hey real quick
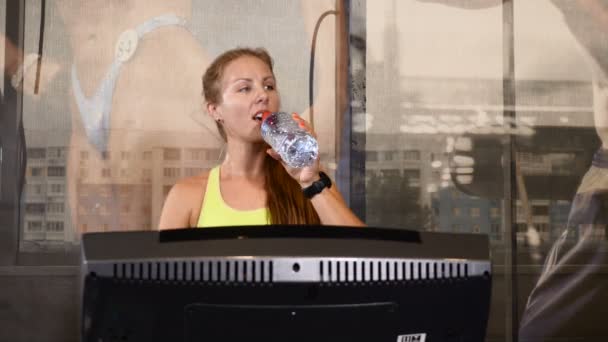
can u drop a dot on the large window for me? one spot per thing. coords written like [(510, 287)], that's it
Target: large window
[(504, 123), (494, 124), (77, 178), (158, 130)]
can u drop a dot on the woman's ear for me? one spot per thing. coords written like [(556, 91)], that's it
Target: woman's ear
[(213, 112)]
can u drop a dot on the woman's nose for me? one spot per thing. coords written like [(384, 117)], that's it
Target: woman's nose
[(262, 96)]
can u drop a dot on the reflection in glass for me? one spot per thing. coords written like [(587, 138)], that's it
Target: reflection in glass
[(119, 104)]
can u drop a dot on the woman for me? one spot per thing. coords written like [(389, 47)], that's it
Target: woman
[(252, 186)]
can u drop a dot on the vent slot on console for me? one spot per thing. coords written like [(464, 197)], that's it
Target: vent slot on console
[(390, 270), (222, 271)]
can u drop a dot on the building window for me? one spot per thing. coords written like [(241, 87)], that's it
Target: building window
[(540, 210), (171, 154), (476, 228), (57, 188), (37, 171), (475, 212), (124, 173), (494, 212), (35, 189), (56, 152), (196, 154), (390, 175), (171, 172), (193, 171), (55, 207), (35, 208), (54, 226), (105, 155), (36, 153), (125, 155), (84, 155), (391, 155), (530, 158), (411, 155), (495, 228), (34, 226), (456, 211), (106, 173), (456, 228), (371, 156), (39, 189), (56, 171), (146, 155)]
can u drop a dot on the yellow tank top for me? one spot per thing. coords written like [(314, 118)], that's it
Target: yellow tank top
[(216, 213)]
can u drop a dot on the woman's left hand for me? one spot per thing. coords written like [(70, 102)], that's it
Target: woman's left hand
[(306, 175)]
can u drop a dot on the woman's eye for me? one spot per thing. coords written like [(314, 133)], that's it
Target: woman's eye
[(269, 87), (244, 89)]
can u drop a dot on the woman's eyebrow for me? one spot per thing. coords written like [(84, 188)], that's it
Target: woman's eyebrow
[(247, 79), (242, 79)]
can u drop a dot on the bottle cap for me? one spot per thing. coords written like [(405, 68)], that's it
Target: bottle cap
[(266, 114)]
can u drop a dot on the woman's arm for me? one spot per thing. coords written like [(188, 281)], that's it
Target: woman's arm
[(332, 208), (181, 206), (329, 204)]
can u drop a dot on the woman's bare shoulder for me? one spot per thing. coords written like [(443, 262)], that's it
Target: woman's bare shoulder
[(182, 205), (191, 186)]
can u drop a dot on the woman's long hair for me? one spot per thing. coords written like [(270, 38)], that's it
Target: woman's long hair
[(285, 201)]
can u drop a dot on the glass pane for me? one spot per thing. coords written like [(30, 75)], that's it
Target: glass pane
[(118, 115), (434, 124), (562, 172)]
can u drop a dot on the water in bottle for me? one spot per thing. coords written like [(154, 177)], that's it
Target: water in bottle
[(294, 144)]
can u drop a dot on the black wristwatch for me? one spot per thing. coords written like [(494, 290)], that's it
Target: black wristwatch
[(317, 186)]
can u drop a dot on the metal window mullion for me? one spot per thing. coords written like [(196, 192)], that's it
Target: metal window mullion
[(10, 191), (350, 88), (509, 101)]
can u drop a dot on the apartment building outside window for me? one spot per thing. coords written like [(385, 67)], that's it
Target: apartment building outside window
[(56, 171), (54, 226), (36, 153), (171, 154), (172, 172)]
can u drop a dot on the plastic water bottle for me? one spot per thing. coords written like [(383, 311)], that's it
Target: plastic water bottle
[(294, 144)]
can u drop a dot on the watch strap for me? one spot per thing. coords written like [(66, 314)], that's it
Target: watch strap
[(318, 186)]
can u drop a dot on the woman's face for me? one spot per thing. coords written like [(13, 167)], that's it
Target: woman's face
[(248, 88)]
